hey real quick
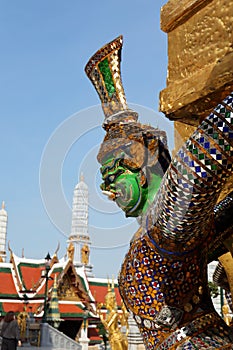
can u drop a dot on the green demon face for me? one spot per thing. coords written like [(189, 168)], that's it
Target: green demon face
[(127, 186), (122, 184)]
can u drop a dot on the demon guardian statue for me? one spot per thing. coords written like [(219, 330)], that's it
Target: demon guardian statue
[(163, 279)]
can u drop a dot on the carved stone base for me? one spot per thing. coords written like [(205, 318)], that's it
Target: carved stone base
[(84, 340)]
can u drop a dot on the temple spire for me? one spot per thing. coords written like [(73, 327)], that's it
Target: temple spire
[(3, 232), (79, 239)]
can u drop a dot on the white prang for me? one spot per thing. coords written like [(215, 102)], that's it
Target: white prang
[(79, 235), (3, 232)]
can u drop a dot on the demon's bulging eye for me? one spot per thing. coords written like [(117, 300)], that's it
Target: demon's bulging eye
[(111, 178), (108, 180)]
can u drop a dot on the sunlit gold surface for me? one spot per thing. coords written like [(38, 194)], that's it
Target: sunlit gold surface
[(118, 340), (227, 262), (182, 132), (200, 71), (22, 321), (70, 251), (174, 12), (226, 313), (200, 57), (85, 252)]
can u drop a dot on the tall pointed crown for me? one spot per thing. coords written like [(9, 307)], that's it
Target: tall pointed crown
[(103, 69), (142, 145)]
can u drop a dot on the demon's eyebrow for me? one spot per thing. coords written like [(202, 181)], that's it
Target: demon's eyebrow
[(111, 166)]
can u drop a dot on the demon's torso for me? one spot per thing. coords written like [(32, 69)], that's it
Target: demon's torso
[(167, 295), (163, 280)]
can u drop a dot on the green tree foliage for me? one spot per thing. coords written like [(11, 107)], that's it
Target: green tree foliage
[(102, 333), (214, 291)]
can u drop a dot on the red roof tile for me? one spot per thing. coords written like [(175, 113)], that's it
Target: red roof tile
[(18, 307), (30, 275), (7, 286), (70, 310), (99, 292)]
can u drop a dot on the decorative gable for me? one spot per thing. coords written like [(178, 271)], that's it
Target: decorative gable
[(72, 287), (30, 275)]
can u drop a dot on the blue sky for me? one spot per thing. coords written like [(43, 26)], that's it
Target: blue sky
[(44, 48)]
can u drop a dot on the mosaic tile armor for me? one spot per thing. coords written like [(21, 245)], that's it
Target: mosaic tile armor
[(163, 279)]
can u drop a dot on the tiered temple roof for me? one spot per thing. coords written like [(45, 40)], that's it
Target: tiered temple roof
[(22, 285)]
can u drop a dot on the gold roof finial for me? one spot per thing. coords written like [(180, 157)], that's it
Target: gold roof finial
[(3, 205), (109, 285), (55, 281), (56, 251), (82, 177), (113, 284)]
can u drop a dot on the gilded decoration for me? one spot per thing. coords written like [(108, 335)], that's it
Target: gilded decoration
[(70, 286), (85, 252), (70, 251), (200, 57), (22, 318), (116, 335)]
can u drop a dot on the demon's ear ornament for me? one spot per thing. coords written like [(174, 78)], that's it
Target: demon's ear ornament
[(124, 134)]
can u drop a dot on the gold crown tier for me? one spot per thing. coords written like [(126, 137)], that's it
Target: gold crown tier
[(103, 69)]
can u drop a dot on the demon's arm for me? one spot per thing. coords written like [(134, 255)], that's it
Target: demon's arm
[(182, 213)]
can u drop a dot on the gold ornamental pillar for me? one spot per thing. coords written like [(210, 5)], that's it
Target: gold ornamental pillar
[(200, 70), (200, 56)]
